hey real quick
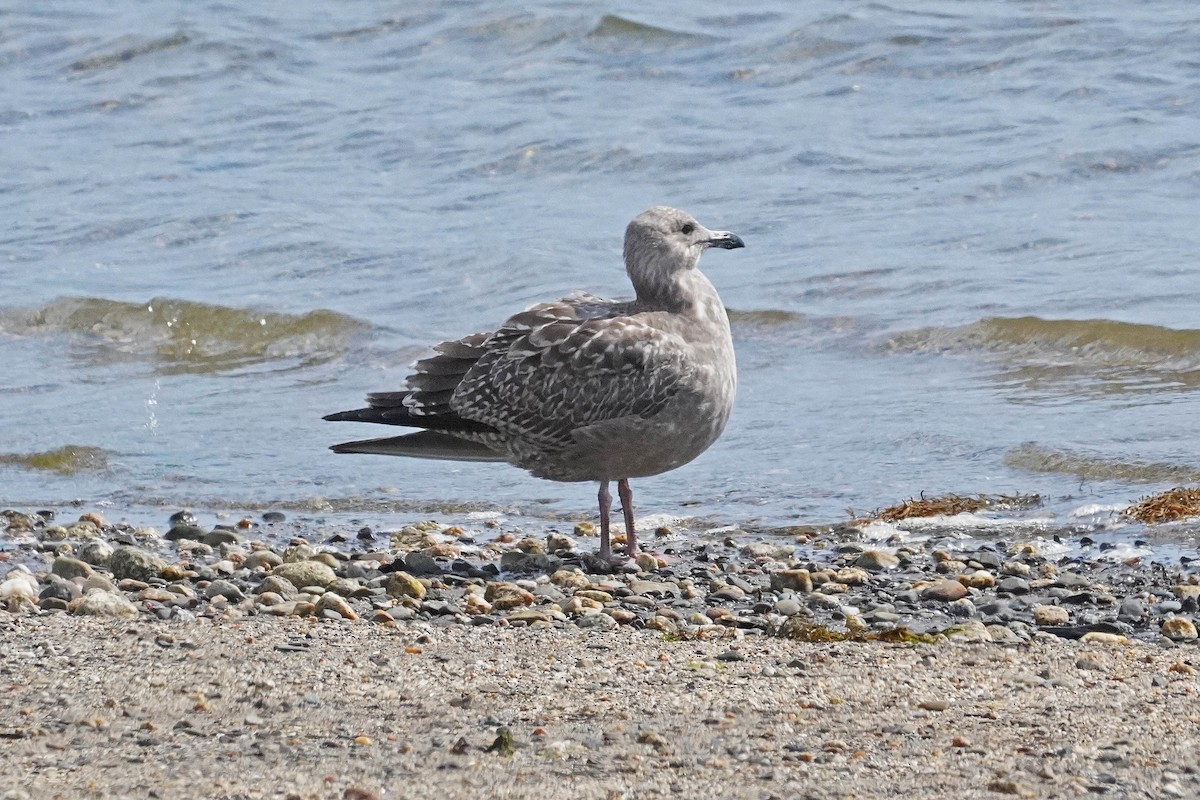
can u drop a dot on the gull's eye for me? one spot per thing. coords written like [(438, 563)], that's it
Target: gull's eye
[(687, 228)]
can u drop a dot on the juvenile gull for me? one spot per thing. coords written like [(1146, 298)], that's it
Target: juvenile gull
[(583, 389)]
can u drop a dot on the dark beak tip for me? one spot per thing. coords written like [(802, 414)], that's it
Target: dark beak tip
[(729, 241)]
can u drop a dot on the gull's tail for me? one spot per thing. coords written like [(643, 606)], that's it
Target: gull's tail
[(422, 444)]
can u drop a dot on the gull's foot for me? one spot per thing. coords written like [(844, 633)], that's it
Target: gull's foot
[(607, 563)]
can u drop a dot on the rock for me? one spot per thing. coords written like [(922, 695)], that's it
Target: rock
[(133, 562), (418, 563), (558, 543), (517, 561), (581, 605), (334, 603), (178, 532), (503, 595), (223, 588), (1051, 615), (1131, 610), (944, 590), (298, 551), (570, 579), (262, 559), (963, 607), (68, 568), (797, 580), (528, 616), (979, 579), (876, 560), (103, 604), (402, 584), (1179, 629), (1102, 637), (788, 607), (531, 545), (1002, 634), (852, 576), (18, 589), (219, 536), (60, 588), (659, 589), (305, 573), (1186, 590), (601, 621), (622, 615), (96, 552), (973, 631), (182, 517), (728, 592), (1013, 585), (647, 562)]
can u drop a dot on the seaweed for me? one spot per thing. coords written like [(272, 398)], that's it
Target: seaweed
[(948, 505), (1169, 506)]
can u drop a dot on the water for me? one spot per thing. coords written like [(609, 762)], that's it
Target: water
[(971, 235)]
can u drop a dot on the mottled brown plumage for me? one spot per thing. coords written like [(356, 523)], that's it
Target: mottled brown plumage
[(583, 388)]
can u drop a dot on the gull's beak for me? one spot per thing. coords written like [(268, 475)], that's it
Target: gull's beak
[(724, 240)]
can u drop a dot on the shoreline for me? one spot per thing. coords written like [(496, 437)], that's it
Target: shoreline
[(209, 662)]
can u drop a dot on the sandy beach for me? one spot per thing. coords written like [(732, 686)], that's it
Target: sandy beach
[(285, 708)]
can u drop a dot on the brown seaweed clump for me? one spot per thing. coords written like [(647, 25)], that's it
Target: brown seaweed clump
[(948, 505), (1169, 506)]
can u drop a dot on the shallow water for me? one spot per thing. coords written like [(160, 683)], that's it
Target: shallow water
[(970, 265)]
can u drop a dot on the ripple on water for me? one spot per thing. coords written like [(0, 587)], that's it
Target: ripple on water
[(180, 336)]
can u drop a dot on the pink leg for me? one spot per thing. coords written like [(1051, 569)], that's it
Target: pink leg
[(605, 505), (626, 495)]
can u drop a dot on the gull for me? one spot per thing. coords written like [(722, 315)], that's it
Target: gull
[(583, 388)]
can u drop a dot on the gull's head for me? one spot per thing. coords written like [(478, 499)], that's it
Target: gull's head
[(662, 241)]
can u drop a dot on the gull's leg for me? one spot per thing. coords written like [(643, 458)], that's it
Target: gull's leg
[(626, 495), (605, 505)]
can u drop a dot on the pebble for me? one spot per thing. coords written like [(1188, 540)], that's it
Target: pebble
[(1179, 629), (128, 561), (96, 552), (1013, 585), (305, 573), (103, 604), (944, 590), (503, 595), (796, 580), (654, 588), (1051, 615), (68, 568), (875, 560), (335, 604), (418, 563), (447, 577), (223, 588)]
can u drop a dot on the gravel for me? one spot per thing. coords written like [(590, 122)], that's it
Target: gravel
[(290, 661)]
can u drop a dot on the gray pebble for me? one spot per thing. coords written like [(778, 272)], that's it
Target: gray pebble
[(1013, 585), (419, 563), (133, 562), (788, 607), (68, 568), (223, 588)]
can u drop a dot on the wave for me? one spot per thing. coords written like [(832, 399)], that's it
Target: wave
[(180, 336), (66, 460), (1034, 457), (1091, 355)]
